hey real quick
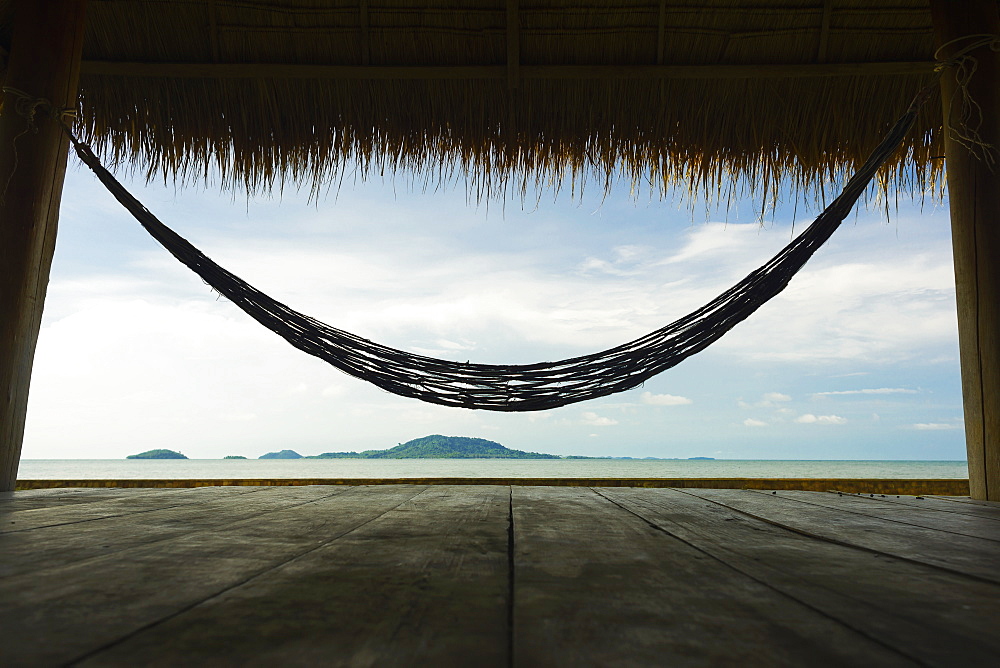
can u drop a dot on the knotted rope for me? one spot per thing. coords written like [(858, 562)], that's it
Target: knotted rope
[(29, 107), (963, 126)]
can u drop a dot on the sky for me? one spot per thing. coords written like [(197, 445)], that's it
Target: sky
[(856, 359)]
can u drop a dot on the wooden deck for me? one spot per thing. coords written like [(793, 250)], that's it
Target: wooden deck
[(453, 575)]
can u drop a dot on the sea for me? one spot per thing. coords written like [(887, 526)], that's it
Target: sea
[(89, 469)]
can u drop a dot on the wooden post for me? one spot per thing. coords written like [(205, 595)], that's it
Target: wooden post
[(974, 197), (44, 61)]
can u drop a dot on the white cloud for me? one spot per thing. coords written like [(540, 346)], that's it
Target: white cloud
[(877, 390), (625, 261), (768, 400), (595, 420), (238, 417), (809, 418), (935, 426), (663, 399), (750, 422), (882, 302), (713, 242)]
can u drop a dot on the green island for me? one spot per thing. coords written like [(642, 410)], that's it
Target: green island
[(436, 446), (283, 454), (157, 454), (441, 447)]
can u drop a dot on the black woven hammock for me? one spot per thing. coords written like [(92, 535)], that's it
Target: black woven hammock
[(522, 387)]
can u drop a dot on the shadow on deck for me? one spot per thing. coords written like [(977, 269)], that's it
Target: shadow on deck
[(494, 575)]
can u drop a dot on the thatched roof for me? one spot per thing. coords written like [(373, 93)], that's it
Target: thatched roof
[(507, 93)]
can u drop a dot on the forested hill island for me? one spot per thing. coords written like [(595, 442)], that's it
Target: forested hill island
[(432, 447), (428, 447)]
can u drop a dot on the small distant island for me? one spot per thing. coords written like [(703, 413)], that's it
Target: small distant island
[(284, 454), (441, 447), (234, 457), (157, 454)]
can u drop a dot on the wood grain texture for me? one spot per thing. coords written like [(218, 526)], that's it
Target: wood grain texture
[(974, 200), (950, 622), (98, 537), (55, 616), (49, 498), (499, 72), (866, 485), (949, 505), (959, 554), (460, 575), (15, 520), (594, 585), (969, 501), (44, 62), (423, 584), (910, 515)]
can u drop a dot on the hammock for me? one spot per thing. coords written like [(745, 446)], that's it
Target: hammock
[(527, 387)]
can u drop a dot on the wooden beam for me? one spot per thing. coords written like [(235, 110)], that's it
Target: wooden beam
[(917, 486), (974, 198), (661, 30), (46, 43), (363, 33), (824, 31), (213, 29), (513, 45), (295, 71)]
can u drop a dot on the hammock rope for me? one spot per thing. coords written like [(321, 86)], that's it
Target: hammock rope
[(527, 387)]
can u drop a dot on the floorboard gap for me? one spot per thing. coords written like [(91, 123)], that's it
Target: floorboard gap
[(862, 513), (843, 543), (108, 645), (111, 517), (510, 581), (764, 583)]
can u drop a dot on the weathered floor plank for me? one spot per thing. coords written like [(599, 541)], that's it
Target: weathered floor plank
[(932, 616), (941, 504), (425, 583), (595, 585), (928, 518), (967, 500), (67, 543), (46, 498), (55, 616), (973, 557), (495, 576), (119, 505)]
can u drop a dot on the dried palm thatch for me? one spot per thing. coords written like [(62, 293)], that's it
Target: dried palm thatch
[(506, 96)]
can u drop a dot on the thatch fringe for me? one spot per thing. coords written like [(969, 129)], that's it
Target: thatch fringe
[(258, 134), (508, 136)]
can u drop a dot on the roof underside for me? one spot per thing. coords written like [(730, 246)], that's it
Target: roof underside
[(505, 95)]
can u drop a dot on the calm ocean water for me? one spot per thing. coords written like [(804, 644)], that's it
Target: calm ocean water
[(481, 468)]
